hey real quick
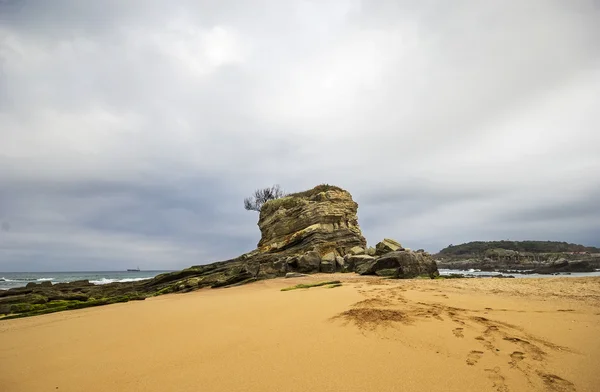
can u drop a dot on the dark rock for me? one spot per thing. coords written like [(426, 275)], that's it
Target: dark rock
[(292, 262), (59, 296), (309, 262), (564, 266), (327, 267), (340, 263), (387, 245), (234, 277), (24, 298), (406, 264), (387, 272), (355, 263)]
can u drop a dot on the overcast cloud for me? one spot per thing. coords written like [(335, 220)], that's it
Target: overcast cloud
[(131, 131)]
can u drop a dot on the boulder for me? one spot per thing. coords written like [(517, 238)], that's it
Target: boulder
[(386, 246), (400, 264), (329, 257), (389, 272), (327, 267), (355, 263), (356, 250), (309, 262), (339, 260), (371, 251)]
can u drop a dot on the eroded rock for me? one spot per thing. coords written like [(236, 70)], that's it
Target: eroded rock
[(387, 245), (309, 262), (322, 219), (356, 263), (400, 264)]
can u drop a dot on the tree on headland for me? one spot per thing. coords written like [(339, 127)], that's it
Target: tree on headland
[(261, 196)]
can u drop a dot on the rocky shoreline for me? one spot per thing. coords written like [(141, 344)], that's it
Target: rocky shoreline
[(557, 265), (307, 232), (315, 231)]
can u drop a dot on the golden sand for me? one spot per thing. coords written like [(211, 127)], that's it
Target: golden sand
[(367, 335)]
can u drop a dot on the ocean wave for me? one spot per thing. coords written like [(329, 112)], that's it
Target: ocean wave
[(107, 281), (3, 279), (44, 280)]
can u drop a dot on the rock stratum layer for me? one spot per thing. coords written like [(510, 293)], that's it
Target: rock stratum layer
[(307, 232), (322, 219)]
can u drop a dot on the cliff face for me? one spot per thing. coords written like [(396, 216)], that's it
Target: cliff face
[(322, 219)]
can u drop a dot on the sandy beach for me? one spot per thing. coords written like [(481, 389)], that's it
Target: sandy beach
[(367, 335)]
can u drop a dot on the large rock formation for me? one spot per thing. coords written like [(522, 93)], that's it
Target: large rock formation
[(307, 232), (322, 219)]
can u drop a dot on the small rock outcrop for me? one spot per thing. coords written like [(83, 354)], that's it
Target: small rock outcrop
[(400, 264), (387, 245)]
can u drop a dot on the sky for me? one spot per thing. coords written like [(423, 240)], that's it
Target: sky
[(131, 131)]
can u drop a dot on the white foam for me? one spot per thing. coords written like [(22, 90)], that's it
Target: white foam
[(107, 281), (132, 280), (45, 279), (3, 279)]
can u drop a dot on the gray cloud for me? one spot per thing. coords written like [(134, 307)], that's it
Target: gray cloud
[(133, 130)]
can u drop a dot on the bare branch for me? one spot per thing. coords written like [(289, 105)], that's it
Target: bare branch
[(261, 196)]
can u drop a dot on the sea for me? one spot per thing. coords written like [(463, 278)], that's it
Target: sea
[(8, 280)]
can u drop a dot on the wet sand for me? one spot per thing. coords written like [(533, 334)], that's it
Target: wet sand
[(367, 335)]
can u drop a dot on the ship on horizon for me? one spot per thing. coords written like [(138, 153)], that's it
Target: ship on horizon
[(133, 269)]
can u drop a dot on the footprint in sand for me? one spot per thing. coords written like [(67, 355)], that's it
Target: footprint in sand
[(474, 357), (556, 383), (516, 357), (458, 332), (486, 343), (491, 329), (534, 351), (497, 379)]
